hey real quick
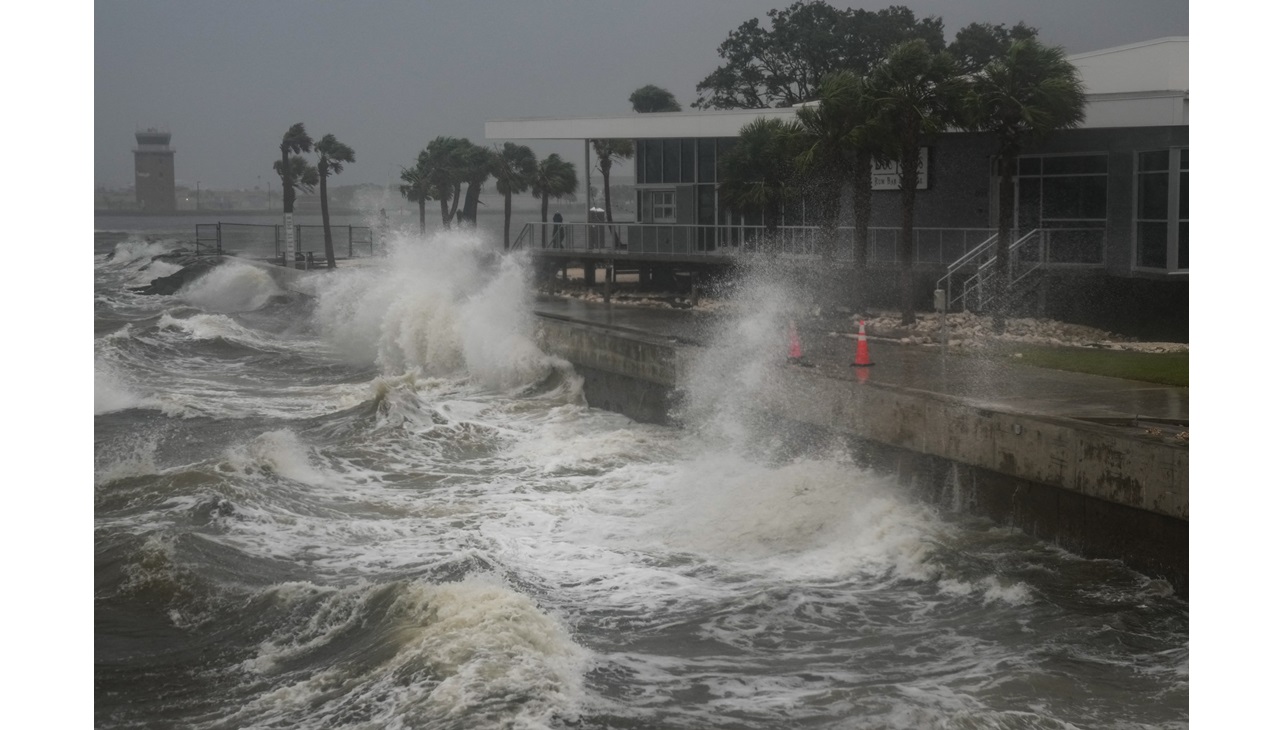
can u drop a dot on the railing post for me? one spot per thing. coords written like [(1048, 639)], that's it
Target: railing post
[(350, 244), (219, 238)]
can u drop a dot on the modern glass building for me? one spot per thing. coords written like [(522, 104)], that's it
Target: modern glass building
[(1106, 201)]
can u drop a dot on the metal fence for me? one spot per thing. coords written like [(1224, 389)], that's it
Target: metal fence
[(938, 246), (252, 240)]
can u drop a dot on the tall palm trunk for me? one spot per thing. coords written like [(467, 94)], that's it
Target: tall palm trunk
[(861, 225), (506, 221), (422, 216), (287, 186), (546, 203), (1004, 237), (324, 217), (605, 166), (910, 160)]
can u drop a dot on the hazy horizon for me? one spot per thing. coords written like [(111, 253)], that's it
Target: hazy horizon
[(227, 79)]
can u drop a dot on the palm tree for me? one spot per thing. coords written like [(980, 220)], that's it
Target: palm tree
[(916, 93), (514, 167), (418, 187), (333, 154), (295, 141), (844, 144), (609, 151), (301, 175), (476, 164), (1021, 96), (759, 173), (446, 169), (555, 178)]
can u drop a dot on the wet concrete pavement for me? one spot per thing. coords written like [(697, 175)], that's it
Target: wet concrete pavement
[(829, 348)]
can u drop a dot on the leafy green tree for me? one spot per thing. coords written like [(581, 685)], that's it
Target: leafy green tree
[(758, 174), (555, 178), (916, 93), (608, 152), (650, 98), (783, 65), (977, 44), (514, 169), (333, 155), (844, 139), (1020, 97), (295, 142), (419, 187)]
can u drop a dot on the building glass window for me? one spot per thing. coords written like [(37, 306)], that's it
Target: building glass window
[(706, 160), (670, 160), (1161, 210), (659, 206), (1067, 193)]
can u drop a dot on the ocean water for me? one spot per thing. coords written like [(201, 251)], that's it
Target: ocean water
[(365, 499)]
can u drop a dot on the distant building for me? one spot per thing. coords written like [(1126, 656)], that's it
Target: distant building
[(153, 172)]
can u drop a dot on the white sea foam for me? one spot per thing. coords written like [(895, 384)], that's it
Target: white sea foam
[(471, 653), (111, 392), (275, 452), (231, 287), (439, 306)]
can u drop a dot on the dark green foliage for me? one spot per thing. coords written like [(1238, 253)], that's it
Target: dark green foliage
[(1020, 96), (555, 178), (783, 65), (609, 151), (294, 174), (514, 168), (759, 174), (333, 154), (419, 187), (916, 93), (977, 44), (650, 98)]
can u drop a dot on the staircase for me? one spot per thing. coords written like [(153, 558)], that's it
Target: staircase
[(970, 280)]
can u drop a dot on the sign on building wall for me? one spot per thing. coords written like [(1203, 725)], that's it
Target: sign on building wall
[(886, 176)]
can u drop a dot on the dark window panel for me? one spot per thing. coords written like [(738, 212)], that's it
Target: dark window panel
[(1153, 196), (1153, 244), (1184, 196), (706, 160), (687, 159), (1153, 161), (1184, 245), (1076, 165), (1026, 166), (670, 160)]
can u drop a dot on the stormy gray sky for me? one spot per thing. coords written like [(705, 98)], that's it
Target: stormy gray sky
[(228, 77)]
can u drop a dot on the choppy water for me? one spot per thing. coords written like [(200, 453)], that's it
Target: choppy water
[(369, 501)]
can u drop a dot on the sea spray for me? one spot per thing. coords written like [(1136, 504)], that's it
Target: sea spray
[(438, 305), (232, 287)]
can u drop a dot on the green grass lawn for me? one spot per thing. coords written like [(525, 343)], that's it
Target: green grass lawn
[(1162, 368)]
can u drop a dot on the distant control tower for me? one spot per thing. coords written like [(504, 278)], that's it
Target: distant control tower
[(153, 172)]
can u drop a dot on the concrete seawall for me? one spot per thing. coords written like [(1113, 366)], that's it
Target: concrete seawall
[(1096, 489)]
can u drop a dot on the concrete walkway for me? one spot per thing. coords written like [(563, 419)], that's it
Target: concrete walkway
[(984, 382)]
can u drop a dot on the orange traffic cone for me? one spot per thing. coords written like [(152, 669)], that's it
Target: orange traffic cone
[(862, 358), (794, 353)]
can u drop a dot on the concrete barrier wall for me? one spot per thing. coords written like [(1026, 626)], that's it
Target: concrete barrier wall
[(1097, 489)]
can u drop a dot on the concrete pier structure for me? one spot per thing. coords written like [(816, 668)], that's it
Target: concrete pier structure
[(1097, 465)]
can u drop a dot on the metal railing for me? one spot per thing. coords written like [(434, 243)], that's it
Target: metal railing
[(933, 246), (1029, 253), (262, 241)]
